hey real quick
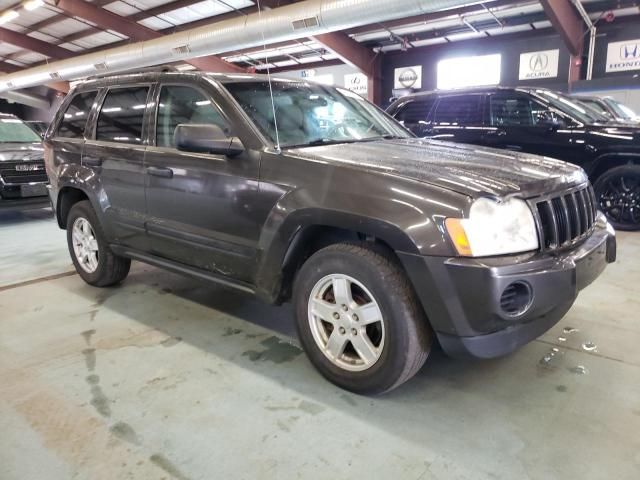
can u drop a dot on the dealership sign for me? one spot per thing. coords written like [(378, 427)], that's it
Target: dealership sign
[(408, 77), (357, 82), (623, 56), (543, 64)]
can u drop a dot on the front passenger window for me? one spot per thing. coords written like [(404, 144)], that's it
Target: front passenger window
[(184, 105)]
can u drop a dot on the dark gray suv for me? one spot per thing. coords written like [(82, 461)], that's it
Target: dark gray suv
[(381, 240)]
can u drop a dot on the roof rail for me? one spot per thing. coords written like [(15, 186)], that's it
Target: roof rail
[(154, 69)]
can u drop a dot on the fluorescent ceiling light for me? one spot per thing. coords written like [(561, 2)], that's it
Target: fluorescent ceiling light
[(8, 16), (32, 4)]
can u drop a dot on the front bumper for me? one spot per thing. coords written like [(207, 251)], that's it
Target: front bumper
[(462, 296)]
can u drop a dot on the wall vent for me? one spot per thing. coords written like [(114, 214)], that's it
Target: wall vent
[(181, 50), (100, 66), (55, 75), (10, 84), (305, 23)]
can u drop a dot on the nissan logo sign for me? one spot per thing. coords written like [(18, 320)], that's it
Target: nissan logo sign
[(408, 78)]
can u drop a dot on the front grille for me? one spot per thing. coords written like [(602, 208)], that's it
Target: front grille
[(9, 174), (566, 219)]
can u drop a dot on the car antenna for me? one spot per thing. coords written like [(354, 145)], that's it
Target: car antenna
[(266, 57)]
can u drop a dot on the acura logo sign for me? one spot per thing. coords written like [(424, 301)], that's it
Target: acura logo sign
[(539, 62), (630, 51)]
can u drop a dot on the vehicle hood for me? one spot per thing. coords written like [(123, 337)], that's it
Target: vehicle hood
[(11, 152), (467, 169)]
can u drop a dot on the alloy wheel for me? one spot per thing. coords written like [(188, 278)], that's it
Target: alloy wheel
[(85, 245), (346, 322), (620, 199)]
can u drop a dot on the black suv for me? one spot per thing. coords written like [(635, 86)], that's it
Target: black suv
[(539, 121), (23, 178), (316, 196)]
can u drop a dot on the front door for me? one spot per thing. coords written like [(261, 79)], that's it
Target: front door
[(459, 118), (199, 205), (522, 124), (116, 153)]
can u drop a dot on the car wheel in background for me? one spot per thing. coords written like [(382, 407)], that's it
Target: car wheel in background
[(618, 194)]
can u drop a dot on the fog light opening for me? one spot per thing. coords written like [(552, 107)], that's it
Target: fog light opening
[(516, 299)]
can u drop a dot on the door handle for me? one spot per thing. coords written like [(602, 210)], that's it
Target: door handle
[(160, 172), (92, 161)]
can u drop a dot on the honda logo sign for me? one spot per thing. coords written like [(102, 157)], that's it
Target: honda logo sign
[(623, 56), (542, 64)]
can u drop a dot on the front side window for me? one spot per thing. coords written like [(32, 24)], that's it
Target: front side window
[(74, 119), (415, 112), (14, 130), (184, 105), (459, 110), (312, 114), (511, 111), (121, 116)]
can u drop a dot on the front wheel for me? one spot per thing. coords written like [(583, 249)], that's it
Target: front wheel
[(359, 320), (90, 252), (618, 194)]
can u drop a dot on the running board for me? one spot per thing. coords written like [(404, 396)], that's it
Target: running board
[(180, 268)]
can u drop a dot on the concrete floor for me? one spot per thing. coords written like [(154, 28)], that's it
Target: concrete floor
[(165, 377)]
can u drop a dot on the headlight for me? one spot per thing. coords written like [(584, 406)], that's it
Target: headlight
[(494, 228)]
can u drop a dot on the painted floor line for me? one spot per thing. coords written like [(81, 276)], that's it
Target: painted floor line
[(37, 280)]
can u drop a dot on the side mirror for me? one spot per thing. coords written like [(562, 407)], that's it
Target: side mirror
[(206, 138)]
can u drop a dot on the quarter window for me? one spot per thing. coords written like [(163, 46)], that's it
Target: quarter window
[(184, 105), (121, 116), (74, 120), (459, 110)]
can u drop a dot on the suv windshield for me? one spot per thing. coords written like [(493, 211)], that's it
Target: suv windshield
[(14, 130), (312, 114), (621, 110), (571, 107)]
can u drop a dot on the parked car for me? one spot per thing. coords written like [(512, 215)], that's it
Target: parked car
[(379, 239), (23, 178), (38, 126), (610, 108), (542, 122)]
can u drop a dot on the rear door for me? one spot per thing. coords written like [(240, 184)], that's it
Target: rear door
[(115, 152), (459, 118), (200, 205)]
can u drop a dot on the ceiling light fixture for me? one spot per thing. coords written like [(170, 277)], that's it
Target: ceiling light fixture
[(8, 16), (32, 4)]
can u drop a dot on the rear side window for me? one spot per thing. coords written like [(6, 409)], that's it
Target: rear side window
[(74, 120), (415, 112), (121, 116), (459, 110), (184, 105)]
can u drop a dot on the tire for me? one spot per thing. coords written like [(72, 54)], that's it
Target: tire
[(401, 340), (618, 194), (107, 269)]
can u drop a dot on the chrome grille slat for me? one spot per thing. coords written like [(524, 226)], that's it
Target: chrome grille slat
[(566, 218)]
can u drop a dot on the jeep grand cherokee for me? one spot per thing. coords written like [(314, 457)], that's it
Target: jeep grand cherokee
[(381, 240)]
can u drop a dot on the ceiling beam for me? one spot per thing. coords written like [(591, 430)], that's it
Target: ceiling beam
[(567, 23), (349, 51), (135, 31), (33, 44)]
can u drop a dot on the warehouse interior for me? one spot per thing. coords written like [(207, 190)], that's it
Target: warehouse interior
[(189, 368)]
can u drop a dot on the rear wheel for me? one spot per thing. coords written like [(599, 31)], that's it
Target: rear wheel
[(618, 194), (89, 250), (358, 319)]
